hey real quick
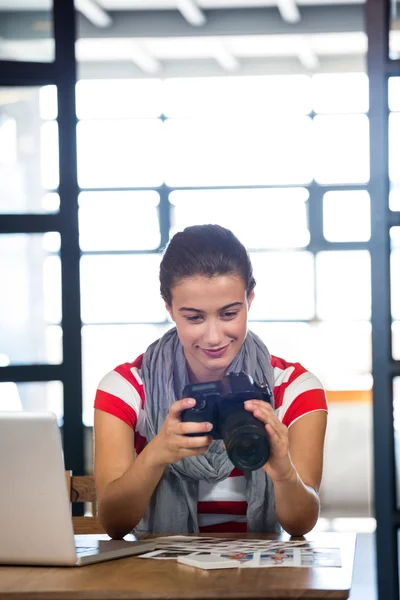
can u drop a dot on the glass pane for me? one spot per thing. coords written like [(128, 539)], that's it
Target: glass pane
[(347, 216), (396, 425), (394, 238), (291, 341), (23, 36), (51, 202), (97, 99), (48, 102), (344, 285), (232, 95), (340, 93), (33, 396), (274, 218), (394, 199), (285, 286), (396, 340), (49, 155), (119, 220), (394, 147), (121, 289), (395, 283), (53, 348), (244, 153), (52, 241), (394, 93), (29, 300), (394, 30), (120, 153), (342, 355), (52, 288), (320, 348), (106, 346), (28, 152), (341, 149), (54, 338)]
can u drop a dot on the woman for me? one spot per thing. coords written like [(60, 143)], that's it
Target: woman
[(151, 476)]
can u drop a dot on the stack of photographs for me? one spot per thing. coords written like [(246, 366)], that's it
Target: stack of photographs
[(248, 553)]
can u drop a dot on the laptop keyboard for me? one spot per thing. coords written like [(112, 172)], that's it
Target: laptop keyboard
[(83, 549)]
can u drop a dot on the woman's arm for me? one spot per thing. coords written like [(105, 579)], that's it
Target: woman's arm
[(124, 484), (295, 465), (297, 500)]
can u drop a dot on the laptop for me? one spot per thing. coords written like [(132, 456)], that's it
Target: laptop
[(35, 512)]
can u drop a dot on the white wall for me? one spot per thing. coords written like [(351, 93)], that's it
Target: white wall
[(347, 483)]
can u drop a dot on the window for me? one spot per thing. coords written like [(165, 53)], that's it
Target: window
[(394, 272), (155, 156), (121, 220), (340, 93), (285, 286), (28, 147), (31, 298), (274, 218), (347, 216), (256, 151), (343, 285), (233, 96), (119, 153), (121, 289), (341, 149)]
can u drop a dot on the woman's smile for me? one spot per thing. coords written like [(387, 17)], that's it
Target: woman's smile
[(215, 352)]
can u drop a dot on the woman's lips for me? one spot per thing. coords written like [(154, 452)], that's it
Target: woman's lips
[(217, 353)]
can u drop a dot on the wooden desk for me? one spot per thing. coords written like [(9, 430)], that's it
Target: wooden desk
[(145, 579)]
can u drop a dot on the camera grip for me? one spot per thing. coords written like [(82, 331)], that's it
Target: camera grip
[(193, 415)]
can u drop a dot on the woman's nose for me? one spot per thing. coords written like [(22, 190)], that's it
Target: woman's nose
[(213, 335)]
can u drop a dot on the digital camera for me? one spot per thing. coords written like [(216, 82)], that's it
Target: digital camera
[(222, 404)]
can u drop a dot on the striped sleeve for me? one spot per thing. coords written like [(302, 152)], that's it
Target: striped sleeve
[(297, 392), (120, 393)]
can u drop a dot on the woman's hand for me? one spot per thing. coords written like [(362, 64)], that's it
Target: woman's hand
[(171, 444), (279, 466)]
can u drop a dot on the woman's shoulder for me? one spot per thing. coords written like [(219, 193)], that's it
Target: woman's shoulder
[(128, 371), (286, 372), (297, 391), (121, 393)]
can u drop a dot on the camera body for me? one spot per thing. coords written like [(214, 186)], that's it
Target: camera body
[(222, 404)]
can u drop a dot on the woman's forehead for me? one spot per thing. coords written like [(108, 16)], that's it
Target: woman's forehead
[(220, 289)]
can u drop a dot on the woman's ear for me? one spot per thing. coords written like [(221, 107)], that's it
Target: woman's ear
[(250, 299)]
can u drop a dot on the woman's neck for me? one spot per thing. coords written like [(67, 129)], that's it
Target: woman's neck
[(198, 375)]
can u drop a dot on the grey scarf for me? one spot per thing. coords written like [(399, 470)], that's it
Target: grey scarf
[(173, 505)]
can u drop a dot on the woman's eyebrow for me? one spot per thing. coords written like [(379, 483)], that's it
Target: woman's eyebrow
[(231, 305), (197, 310)]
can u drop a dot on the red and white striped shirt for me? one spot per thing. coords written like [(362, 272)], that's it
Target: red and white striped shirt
[(221, 506)]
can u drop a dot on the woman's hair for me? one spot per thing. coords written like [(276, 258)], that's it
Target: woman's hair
[(205, 250)]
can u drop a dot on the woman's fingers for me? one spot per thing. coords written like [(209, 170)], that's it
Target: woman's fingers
[(265, 413), (277, 432), (187, 442), (177, 407), (273, 434), (186, 427), (174, 441), (265, 407)]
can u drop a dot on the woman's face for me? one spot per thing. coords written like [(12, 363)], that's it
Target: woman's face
[(210, 315)]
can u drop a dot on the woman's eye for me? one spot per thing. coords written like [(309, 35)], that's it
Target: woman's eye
[(194, 319), (230, 315)]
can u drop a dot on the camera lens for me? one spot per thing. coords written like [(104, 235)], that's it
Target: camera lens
[(245, 438), (248, 452)]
